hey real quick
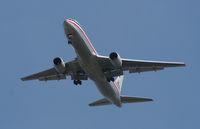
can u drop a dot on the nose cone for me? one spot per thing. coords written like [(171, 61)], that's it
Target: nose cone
[(66, 23), (66, 20), (67, 27)]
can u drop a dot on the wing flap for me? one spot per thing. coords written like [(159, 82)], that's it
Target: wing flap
[(40, 75), (54, 77), (138, 70), (129, 63), (134, 66), (72, 67)]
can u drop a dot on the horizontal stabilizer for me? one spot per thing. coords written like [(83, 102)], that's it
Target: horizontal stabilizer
[(124, 99), (128, 99), (100, 102)]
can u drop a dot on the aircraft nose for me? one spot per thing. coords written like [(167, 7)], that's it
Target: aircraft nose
[(66, 23), (67, 27)]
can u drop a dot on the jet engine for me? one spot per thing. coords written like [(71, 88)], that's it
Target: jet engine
[(115, 60), (59, 65)]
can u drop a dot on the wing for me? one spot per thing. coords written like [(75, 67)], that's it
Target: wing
[(135, 66), (144, 65), (73, 69)]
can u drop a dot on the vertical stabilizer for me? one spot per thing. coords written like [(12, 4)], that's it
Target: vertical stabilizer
[(119, 81)]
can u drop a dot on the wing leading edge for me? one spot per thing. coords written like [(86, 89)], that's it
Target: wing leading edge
[(73, 69), (134, 66)]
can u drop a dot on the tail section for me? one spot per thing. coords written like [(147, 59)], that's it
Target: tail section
[(124, 99), (100, 102), (128, 99), (119, 81)]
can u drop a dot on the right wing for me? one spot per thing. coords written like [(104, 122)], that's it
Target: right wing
[(73, 69), (144, 65), (130, 99), (134, 66)]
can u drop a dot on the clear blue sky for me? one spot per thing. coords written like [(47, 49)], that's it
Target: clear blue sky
[(31, 35)]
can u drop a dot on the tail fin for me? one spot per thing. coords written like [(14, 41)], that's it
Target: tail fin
[(118, 81)]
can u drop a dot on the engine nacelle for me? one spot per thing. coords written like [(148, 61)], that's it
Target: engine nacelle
[(59, 65), (115, 60)]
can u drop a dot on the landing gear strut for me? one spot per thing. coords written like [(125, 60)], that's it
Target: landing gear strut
[(77, 82), (69, 38), (69, 42)]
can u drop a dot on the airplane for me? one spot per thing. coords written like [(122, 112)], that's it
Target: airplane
[(107, 72)]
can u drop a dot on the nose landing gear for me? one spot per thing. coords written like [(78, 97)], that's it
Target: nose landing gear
[(69, 38)]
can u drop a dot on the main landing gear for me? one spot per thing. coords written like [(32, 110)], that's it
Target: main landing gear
[(111, 79), (77, 82), (69, 42)]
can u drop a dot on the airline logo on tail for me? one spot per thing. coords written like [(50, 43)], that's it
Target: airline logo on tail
[(119, 81)]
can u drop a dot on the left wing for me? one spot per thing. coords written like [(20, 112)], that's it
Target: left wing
[(73, 69), (50, 74), (134, 66)]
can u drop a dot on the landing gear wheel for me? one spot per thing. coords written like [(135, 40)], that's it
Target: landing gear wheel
[(108, 79), (69, 42), (77, 82), (80, 82), (112, 79)]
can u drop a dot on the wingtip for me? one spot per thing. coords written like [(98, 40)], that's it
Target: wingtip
[(181, 64), (90, 105), (22, 79), (151, 100)]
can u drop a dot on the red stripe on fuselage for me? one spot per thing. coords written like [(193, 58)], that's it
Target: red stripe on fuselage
[(90, 44), (116, 86), (72, 22)]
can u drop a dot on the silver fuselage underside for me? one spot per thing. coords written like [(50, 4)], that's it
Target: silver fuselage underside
[(87, 59)]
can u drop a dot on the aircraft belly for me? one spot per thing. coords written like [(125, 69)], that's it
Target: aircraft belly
[(87, 59), (80, 44), (93, 69), (81, 48), (105, 88), (109, 92)]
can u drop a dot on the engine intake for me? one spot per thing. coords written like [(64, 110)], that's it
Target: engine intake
[(59, 65), (115, 60), (113, 55)]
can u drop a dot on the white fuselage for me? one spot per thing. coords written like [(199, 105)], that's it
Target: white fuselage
[(87, 60)]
